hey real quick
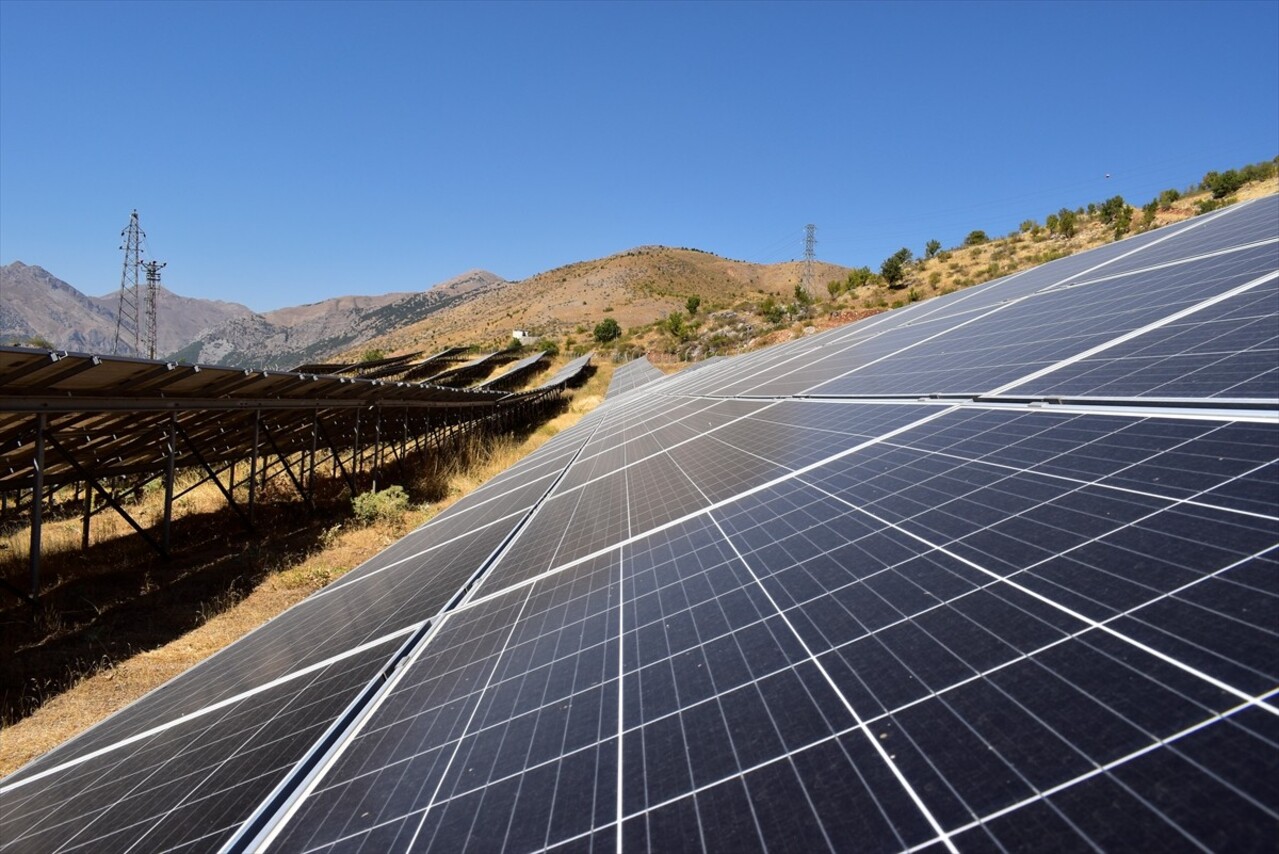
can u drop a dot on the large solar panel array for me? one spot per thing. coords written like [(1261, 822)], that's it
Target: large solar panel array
[(995, 571)]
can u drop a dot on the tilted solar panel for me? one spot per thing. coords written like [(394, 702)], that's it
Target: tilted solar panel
[(998, 570), (632, 375)]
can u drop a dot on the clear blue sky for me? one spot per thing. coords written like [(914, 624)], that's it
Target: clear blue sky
[(284, 153)]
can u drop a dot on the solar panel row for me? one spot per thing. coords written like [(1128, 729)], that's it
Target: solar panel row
[(866, 590)]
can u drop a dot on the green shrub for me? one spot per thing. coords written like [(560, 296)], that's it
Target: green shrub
[(894, 267), (975, 237), (607, 330), (385, 506), (1167, 197), (1112, 209), (1223, 184)]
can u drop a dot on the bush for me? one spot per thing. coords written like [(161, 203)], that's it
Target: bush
[(674, 324), (1167, 197), (857, 277), (894, 267), (931, 248), (1062, 223), (1223, 184), (692, 304), (771, 311), (372, 355), (975, 238), (385, 506), (1112, 209), (1148, 213), (607, 330)]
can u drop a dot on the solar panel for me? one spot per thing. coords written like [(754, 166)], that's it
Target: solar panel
[(999, 570), (632, 375)]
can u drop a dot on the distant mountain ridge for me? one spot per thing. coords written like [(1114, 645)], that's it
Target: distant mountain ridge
[(36, 305), (288, 337)]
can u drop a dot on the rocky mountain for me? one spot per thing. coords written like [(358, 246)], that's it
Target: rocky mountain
[(289, 337), (36, 305)]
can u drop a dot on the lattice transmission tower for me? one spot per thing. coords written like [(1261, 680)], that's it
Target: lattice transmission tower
[(128, 326), (135, 320), (810, 241)]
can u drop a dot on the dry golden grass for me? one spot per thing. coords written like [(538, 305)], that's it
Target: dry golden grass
[(101, 687)]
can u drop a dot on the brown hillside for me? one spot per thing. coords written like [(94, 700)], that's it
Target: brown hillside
[(635, 288)]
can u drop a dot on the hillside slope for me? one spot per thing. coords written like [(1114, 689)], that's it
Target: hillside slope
[(636, 287)]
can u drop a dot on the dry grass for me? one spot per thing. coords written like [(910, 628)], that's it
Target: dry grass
[(81, 668)]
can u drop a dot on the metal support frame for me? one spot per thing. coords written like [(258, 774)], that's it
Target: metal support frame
[(253, 461), (228, 494), (297, 484), (171, 448), (105, 493), (37, 507)]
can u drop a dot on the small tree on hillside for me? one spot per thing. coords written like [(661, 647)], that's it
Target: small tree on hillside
[(1223, 184), (1111, 209), (607, 330), (931, 248), (857, 277), (976, 237), (894, 267), (692, 304)]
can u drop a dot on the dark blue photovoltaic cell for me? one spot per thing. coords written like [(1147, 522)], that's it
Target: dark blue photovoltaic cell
[(506, 726), (1229, 350), (802, 619), (230, 758)]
